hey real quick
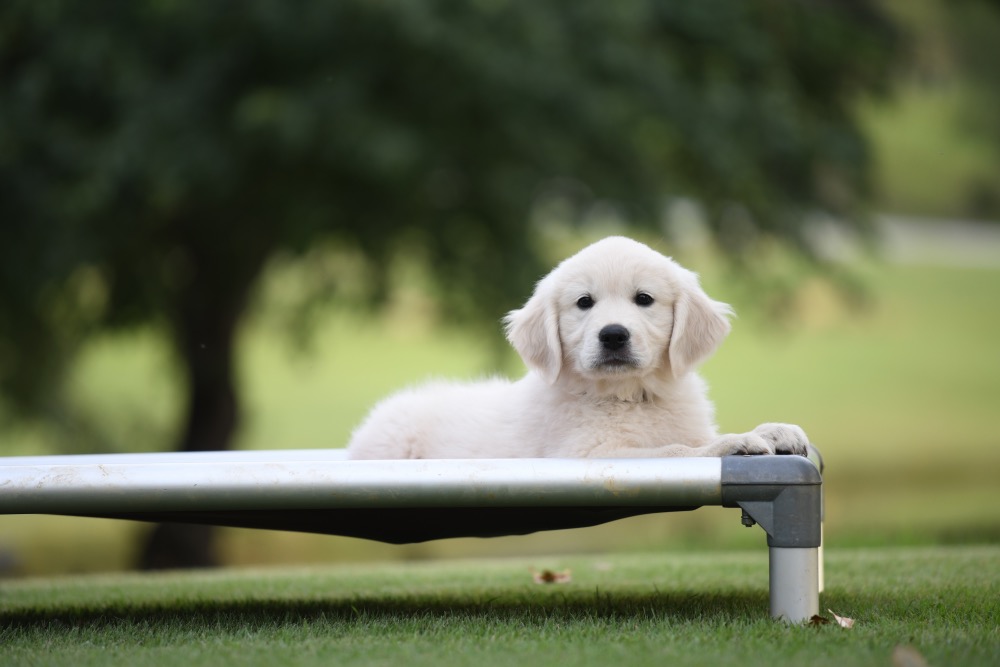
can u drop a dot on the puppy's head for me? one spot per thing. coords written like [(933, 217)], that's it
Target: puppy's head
[(617, 310)]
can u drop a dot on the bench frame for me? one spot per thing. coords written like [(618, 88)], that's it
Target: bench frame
[(416, 500)]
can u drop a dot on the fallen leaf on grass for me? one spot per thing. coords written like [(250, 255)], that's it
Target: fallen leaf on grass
[(907, 656), (843, 621), (551, 577)]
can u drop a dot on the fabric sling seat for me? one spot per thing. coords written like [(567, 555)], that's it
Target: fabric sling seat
[(402, 501)]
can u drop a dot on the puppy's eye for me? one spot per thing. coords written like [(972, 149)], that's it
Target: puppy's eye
[(643, 299), (585, 302)]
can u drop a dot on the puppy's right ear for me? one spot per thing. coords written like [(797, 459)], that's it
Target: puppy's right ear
[(534, 332)]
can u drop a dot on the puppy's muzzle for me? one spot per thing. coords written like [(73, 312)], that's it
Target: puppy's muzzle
[(613, 337), (616, 353)]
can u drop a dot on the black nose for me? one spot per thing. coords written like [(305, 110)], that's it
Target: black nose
[(613, 337)]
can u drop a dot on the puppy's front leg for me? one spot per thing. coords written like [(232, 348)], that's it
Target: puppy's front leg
[(767, 438), (764, 440), (725, 445), (737, 444), (785, 438)]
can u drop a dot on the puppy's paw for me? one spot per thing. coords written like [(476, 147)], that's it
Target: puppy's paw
[(785, 438), (740, 444)]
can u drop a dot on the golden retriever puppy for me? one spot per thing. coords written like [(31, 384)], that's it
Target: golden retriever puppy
[(611, 338)]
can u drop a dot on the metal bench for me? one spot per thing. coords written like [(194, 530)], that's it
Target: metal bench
[(403, 501)]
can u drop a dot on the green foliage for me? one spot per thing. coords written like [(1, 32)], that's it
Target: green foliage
[(155, 155), (938, 143), (928, 162), (975, 27)]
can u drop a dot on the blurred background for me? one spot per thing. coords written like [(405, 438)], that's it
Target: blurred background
[(239, 224)]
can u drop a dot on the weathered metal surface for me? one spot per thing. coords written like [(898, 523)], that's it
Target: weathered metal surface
[(319, 479)]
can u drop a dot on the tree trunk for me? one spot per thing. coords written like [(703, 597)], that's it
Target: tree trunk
[(207, 349), (205, 336)]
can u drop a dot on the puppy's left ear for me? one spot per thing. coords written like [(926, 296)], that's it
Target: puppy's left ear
[(534, 332), (700, 325)]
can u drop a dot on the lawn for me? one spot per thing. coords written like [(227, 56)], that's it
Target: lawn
[(694, 609)]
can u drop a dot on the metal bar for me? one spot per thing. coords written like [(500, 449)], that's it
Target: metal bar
[(279, 480)]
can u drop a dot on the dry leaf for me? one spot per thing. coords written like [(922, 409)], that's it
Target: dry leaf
[(818, 620), (551, 577), (843, 621), (907, 656)]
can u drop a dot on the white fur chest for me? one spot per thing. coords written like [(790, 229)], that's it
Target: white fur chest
[(572, 425)]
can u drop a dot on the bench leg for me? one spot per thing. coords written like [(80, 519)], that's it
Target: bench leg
[(794, 583), (784, 496)]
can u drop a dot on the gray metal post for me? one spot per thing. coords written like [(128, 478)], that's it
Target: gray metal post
[(794, 576), (783, 495)]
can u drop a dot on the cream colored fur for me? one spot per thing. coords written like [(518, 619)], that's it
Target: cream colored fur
[(580, 397)]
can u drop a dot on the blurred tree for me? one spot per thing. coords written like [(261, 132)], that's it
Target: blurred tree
[(974, 29), (154, 154)]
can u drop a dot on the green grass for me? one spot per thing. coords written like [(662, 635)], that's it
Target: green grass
[(705, 609)]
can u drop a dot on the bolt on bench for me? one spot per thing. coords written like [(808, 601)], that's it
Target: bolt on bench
[(400, 501)]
